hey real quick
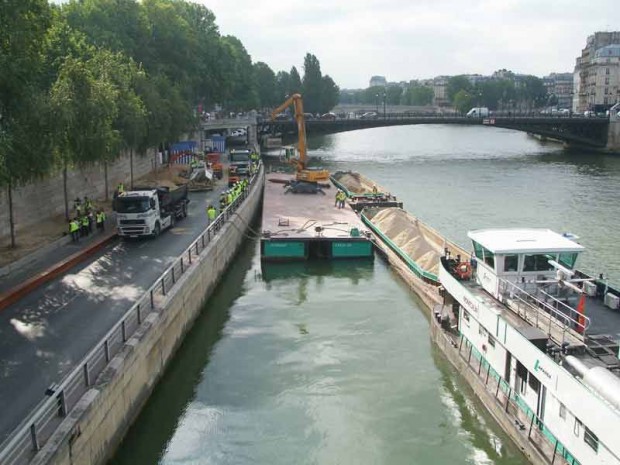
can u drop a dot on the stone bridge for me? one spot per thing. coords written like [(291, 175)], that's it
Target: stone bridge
[(599, 133)]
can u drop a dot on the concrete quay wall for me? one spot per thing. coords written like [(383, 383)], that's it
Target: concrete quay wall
[(94, 428), (44, 198), (613, 136)]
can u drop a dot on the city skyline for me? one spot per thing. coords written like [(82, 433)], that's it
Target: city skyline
[(416, 40)]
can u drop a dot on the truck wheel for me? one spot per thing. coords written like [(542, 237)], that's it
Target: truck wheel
[(156, 230)]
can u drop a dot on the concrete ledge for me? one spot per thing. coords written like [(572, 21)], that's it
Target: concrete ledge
[(13, 295)]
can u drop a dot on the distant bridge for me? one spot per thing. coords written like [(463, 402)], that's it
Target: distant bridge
[(592, 132)]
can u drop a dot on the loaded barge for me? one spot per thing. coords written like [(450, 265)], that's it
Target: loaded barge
[(535, 338)]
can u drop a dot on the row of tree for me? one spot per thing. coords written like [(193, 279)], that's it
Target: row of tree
[(503, 93), (507, 93), (83, 81), (412, 94)]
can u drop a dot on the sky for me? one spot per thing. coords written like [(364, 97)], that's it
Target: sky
[(415, 39)]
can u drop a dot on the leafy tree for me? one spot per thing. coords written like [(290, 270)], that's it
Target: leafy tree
[(463, 101), (420, 95), (85, 105), (266, 87), (456, 84), (22, 30), (393, 95), (294, 84), (312, 84), (329, 94)]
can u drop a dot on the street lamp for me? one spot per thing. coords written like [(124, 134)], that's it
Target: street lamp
[(384, 105), (377, 103)]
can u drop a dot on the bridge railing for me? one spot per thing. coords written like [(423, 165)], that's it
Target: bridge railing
[(36, 429)]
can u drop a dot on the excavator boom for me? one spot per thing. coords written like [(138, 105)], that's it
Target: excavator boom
[(298, 105)]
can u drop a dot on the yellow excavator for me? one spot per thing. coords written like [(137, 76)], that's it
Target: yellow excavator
[(303, 173)]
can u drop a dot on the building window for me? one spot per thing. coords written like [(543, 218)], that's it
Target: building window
[(591, 439), (577, 427), (511, 262), (562, 411), (606, 70)]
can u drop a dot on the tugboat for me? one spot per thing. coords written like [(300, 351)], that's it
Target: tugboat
[(540, 337)]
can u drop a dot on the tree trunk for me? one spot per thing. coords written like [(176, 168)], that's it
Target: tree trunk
[(11, 219), (131, 166), (64, 186), (105, 175)]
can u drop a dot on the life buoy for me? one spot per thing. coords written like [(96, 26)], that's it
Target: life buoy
[(463, 270)]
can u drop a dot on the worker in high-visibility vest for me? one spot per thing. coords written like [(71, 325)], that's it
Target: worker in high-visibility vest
[(74, 230), (211, 213)]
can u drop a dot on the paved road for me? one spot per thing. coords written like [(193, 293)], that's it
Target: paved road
[(46, 333)]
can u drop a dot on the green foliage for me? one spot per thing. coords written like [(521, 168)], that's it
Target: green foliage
[(463, 101), (456, 84), (312, 84), (266, 85)]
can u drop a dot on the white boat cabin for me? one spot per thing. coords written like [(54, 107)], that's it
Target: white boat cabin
[(522, 256)]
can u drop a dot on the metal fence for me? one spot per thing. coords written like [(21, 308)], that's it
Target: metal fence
[(32, 434)]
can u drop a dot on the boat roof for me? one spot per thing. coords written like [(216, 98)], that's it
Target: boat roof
[(523, 240)]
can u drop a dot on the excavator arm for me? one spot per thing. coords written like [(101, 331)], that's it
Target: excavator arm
[(298, 105)]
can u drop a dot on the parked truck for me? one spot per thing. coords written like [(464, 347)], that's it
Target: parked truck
[(149, 211), (239, 166)]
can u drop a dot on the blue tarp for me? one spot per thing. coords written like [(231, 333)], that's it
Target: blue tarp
[(183, 146)]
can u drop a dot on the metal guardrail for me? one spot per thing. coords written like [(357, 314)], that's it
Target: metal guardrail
[(544, 311), (34, 431)]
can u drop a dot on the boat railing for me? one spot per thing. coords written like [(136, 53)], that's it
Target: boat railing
[(554, 317)]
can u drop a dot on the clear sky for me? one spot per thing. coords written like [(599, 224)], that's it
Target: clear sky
[(415, 39)]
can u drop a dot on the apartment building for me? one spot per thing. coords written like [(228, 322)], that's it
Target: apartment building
[(596, 79)]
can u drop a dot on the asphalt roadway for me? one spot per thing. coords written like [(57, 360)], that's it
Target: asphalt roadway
[(46, 333)]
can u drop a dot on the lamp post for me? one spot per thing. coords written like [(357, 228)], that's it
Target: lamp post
[(377, 103), (384, 96)]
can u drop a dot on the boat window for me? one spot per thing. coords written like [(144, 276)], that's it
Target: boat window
[(511, 262), (562, 411), (568, 259), (489, 258), (538, 262), (533, 382), (478, 250), (591, 439)]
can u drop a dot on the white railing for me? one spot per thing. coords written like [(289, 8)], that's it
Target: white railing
[(36, 429), (545, 311)]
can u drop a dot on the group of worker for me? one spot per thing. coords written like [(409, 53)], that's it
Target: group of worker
[(340, 198), (86, 216), (229, 196)]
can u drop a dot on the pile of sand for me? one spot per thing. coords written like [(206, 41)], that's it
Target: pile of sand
[(423, 245), (354, 182), (171, 177)]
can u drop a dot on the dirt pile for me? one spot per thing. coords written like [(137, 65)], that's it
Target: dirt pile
[(171, 177), (354, 182), (423, 245)]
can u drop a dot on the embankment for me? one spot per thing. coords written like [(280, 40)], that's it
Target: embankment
[(93, 429)]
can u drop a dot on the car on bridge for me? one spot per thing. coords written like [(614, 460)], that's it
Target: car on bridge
[(369, 115), (329, 116)]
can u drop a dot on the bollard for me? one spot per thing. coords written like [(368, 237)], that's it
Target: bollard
[(86, 375), (106, 351), (33, 437), (123, 331), (139, 315)]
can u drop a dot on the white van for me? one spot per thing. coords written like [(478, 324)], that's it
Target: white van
[(478, 112)]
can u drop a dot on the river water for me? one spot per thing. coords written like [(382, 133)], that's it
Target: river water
[(329, 363)]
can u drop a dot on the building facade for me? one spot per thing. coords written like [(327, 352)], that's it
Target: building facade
[(378, 81), (597, 73), (560, 85)]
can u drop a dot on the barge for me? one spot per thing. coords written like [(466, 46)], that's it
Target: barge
[(363, 192), (302, 226), (535, 338)]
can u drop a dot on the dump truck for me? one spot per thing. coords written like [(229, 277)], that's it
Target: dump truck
[(149, 211), (215, 162), (239, 165)]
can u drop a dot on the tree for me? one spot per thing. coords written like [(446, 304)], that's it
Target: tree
[(85, 105), (463, 101), (294, 83), (329, 94), (420, 95), (312, 84), (22, 105), (393, 95), (266, 87), (456, 84)]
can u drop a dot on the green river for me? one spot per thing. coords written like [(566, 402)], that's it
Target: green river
[(331, 363)]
